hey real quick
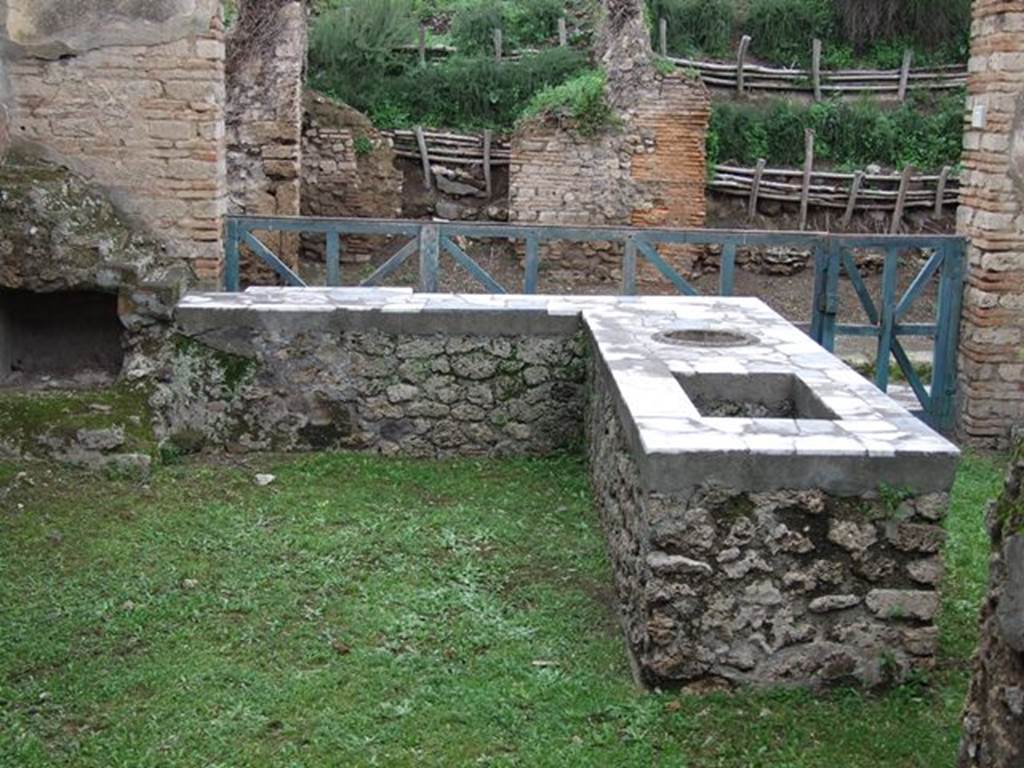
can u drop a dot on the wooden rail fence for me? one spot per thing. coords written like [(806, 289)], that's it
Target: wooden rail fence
[(848, 192), (742, 76)]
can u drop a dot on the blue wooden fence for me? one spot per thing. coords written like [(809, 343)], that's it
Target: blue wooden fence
[(834, 256)]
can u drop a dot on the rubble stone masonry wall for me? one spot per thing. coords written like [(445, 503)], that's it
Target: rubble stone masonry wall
[(348, 169), (131, 98), (992, 217), (432, 396), (793, 586)]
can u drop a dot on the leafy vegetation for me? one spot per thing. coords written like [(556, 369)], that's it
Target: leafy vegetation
[(461, 92), (854, 32), (926, 132), (418, 613), (353, 58), (523, 23), (582, 99), (782, 30), (696, 26), (355, 45)]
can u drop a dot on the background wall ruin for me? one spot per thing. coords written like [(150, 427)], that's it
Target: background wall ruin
[(131, 96), (991, 381), (348, 169), (266, 62), (648, 171)]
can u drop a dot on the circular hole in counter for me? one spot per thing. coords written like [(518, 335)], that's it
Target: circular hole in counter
[(706, 337)]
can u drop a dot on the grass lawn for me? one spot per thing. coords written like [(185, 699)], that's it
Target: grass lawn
[(367, 611)]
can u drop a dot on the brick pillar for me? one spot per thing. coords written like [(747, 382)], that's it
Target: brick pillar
[(991, 216)]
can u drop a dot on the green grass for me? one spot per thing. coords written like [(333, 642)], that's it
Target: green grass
[(369, 611), (979, 480)]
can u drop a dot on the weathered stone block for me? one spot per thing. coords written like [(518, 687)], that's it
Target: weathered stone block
[(913, 537), (903, 604)]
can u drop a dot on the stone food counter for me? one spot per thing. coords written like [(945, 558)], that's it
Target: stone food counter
[(771, 517)]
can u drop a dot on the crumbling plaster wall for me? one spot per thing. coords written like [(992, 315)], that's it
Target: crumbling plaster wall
[(130, 94), (266, 64)]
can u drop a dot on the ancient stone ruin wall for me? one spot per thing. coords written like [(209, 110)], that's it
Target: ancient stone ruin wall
[(347, 170), (648, 171), (434, 395), (671, 170), (993, 733), (266, 63), (58, 233), (763, 588), (798, 551), (992, 217), (132, 98)]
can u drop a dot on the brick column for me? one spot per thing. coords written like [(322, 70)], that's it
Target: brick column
[(991, 378)]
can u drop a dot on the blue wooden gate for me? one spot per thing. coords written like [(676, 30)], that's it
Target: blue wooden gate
[(834, 259), (886, 313)]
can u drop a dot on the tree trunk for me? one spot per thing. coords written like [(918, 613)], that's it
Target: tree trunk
[(993, 735)]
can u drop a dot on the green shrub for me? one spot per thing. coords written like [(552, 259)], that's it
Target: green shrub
[(533, 22), (356, 43), (695, 26), (782, 30), (582, 99), (925, 132), (523, 23), (363, 146), (462, 92), (473, 26)]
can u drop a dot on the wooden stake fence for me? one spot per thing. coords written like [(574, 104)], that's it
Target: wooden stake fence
[(741, 60), (816, 68), (851, 203), (818, 83), (744, 77), (805, 189), (846, 192)]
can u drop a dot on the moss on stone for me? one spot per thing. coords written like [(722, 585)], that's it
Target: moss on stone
[(1009, 509), (7, 473), (236, 370), (27, 416)]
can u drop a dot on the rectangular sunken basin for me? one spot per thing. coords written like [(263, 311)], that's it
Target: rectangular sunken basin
[(753, 396)]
